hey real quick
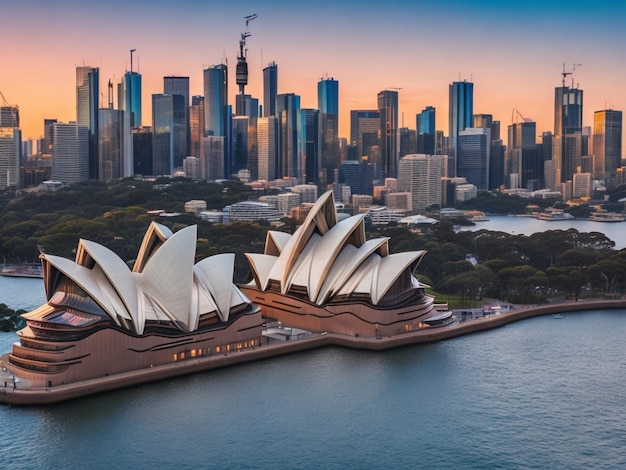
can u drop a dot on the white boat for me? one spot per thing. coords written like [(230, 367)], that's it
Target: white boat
[(606, 216), (554, 214), (22, 270), (557, 315)]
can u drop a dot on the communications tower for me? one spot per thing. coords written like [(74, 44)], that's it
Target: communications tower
[(241, 73)]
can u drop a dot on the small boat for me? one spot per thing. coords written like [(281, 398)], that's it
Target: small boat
[(551, 214), (606, 216), (557, 316), (22, 270)]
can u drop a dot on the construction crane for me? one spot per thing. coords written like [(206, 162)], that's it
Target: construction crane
[(241, 72), (516, 111), (564, 74), (5, 102)]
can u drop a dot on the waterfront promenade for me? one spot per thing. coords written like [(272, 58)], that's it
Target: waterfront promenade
[(11, 393)]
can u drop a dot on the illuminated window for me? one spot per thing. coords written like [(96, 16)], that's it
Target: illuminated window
[(217, 349), (193, 353), (175, 357)]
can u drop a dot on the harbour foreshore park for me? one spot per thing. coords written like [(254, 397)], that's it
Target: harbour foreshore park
[(106, 325)]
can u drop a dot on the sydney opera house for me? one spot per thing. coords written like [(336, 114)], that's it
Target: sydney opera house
[(327, 277), (102, 318), (105, 325)]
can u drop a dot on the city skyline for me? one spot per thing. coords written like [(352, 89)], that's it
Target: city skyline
[(512, 54)]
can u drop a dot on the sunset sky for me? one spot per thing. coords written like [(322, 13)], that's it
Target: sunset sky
[(512, 52)]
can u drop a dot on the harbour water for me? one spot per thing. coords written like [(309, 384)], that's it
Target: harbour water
[(540, 393), (529, 225)]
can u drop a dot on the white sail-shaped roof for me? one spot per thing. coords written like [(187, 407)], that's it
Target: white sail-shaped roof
[(325, 259), (164, 286), (347, 262), (327, 250), (155, 236), (261, 267), (84, 278), (168, 275), (301, 271), (321, 218), (389, 270), (210, 273), (275, 242), (118, 274)]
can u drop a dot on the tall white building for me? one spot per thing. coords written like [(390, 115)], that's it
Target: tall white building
[(421, 175), (267, 149), (10, 155), (70, 153)]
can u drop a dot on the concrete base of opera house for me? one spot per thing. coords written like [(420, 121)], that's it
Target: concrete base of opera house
[(42, 396)]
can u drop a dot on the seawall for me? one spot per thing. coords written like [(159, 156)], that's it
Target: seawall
[(42, 396)]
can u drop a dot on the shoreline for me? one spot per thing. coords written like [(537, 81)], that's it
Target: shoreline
[(44, 396)]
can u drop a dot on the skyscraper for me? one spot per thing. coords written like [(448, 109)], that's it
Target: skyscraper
[(407, 139), (426, 131), (196, 126), (473, 155), (328, 96), (87, 96), (246, 105), (461, 113), (310, 144), (364, 129), (270, 89), (168, 133), (111, 137), (421, 176), (217, 112), (328, 105), (521, 155), (46, 144), (240, 144), (358, 175), (142, 150), (9, 116), (607, 143), (70, 153), (173, 85), (388, 108), (129, 97), (267, 136), (289, 156), (215, 99), (10, 156), (567, 139)]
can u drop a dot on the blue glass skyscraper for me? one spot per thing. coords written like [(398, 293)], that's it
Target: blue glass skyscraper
[(328, 105), (328, 96), (87, 95), (460, 117), (168, 133), (215, 99), (426, 131), (270, 89), (129, 97)]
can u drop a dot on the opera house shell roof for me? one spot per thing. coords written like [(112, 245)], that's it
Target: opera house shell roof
[(163, 286), (328, 269), (103, 319)]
